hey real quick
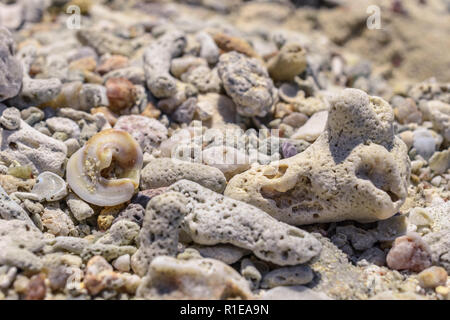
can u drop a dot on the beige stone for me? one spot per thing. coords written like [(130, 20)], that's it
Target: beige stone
[(357, 169)]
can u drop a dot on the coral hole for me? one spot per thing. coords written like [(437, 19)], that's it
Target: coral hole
[(376, 171)]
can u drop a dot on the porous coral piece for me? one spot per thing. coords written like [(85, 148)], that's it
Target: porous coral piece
[(32, 148), (159, 233), (10, 118), (185, 112), (134, 212), (106, 170), (183, 64), (409, 252), (203, 78), (60, 124), (247, 82), (357, 169), (162, 172), (107, 251), (202, 279), (288, 63), (157, 59), (105, 42), (121, 233), (12, 184), (224, 252), (19, 243), (439, 240), (10, 210), (37, 92), (214, 219), (149, 133), (251, 273), (10, 67), (58, 223)]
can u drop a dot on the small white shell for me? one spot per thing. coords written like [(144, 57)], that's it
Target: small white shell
[(50, 187), (109, 152)]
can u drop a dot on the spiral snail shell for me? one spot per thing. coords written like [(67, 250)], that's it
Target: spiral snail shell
[(106, 170)]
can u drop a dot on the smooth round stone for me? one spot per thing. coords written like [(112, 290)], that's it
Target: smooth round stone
[(424, 143)]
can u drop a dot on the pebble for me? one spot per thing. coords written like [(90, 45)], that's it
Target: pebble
[(313, 127), (288, 276), (122, 263), (424, 143), (121, 94), (409, 252), (170, 278), (163, 172), (10, 67), (432, 277), (247, 82), (228, 43), (80, 209), (218, 219), (148, 132)]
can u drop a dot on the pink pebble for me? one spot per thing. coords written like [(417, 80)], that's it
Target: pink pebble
[(409, 252)]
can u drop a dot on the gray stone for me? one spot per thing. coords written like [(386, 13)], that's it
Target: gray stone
[(80, 209), (148, 132), (18, 244), (159, 233), (248, 83), (424, 143), (171, 278), (10, 67), (121, 233), (10, 210), (214, 219), (30, 147), (157, 58), (10, 118), (163, 172), (359, 238), (288, 276)]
